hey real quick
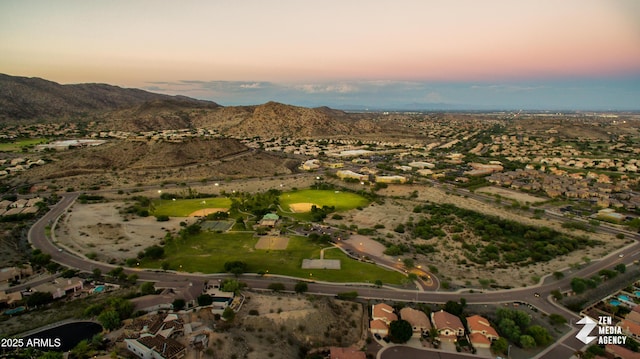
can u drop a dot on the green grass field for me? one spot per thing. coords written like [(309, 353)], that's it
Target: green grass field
[(184, 207), (207, 252), (342, 201), (17, 146)]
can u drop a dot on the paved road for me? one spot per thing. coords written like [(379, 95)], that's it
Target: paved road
[(536, 296)]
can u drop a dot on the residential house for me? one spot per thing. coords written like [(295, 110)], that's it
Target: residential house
[(391, 179), (60, 287), (311, 165), (14, 273), (156, 347), (383, 312), (9, 299), (381, 316), (379, 327), (342, 174), (418, 320), (346, 353), (448, 325), (482, 333), (630, 328)]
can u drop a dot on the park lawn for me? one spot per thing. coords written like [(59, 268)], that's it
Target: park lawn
[(17, 146), (342, 201), (184, 207), (207, 252)]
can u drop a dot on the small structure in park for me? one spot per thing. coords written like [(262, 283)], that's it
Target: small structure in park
[(269, 220)]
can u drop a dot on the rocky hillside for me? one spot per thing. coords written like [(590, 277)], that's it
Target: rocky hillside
[(23, 98), (275, 119), (124, 163)]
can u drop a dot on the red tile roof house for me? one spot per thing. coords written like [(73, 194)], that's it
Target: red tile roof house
[(383, 312), (379, 327), (418, 320), (381, 315), (482, 333), (448, 325), (346, 353)]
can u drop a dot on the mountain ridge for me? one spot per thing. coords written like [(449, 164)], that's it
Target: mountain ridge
[(31, 98)]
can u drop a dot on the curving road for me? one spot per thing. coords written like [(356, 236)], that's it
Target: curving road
[(537, 296)]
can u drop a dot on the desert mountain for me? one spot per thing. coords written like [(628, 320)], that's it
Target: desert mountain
[(23, 98), (275, 119), (109, 107)]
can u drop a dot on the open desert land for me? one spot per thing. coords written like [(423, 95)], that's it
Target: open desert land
[(399, 209), (99, 229), (279, 325)]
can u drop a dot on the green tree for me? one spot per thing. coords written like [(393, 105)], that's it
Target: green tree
[(39, 298), (347, 295), (578, 285), (453, 307), (93, 310), (509, 329), (153, 252), (400, 331), (51, 355), (231, 285), (276, 287), (178, 304), (301, 287), (621, 268), (228, 314), (408, 263), (122, 306), (527, 342), (235, 267), (110, 319), (556, 294), (540, 335), (81, 350), (117, 273), (500, 346), (147, 288), (557, 319), (96, 274)]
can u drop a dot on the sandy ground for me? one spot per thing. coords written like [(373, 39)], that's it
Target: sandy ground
[(301, 207), (514, 195), (277, 325), (99, 228), (272, 243), (206, 211)]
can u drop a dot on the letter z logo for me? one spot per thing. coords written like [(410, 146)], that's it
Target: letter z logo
[(583, 334)]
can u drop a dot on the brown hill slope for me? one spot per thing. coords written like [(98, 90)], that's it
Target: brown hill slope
[(275, 119), (23, 98), (119, 162)]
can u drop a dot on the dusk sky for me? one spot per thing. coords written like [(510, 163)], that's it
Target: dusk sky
[(449, 54)]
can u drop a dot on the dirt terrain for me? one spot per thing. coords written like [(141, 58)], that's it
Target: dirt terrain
[(396, 211), (100, 229), (283, 325)]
